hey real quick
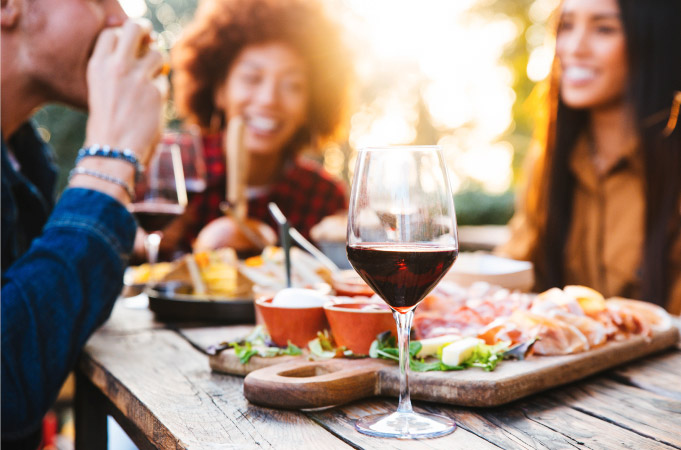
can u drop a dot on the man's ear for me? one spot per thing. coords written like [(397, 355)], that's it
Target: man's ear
[(10, 13)]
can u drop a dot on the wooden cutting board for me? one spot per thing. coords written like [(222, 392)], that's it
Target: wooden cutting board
[(291, 382)]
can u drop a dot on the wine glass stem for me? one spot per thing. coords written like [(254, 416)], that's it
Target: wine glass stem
[(152, 243), (403, 321)]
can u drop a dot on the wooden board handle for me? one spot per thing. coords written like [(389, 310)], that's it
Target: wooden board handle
[(300, 385)]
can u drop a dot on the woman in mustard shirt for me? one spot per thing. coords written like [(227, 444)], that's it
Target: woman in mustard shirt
[(602, 206)]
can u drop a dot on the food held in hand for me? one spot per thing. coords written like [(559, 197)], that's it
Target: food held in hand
[(225, 232)]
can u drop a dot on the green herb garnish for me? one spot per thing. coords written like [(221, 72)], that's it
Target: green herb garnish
[(256, 344), (485, 356)]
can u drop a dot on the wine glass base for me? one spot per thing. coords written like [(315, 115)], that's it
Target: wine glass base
[(139, 301), (403, 425)]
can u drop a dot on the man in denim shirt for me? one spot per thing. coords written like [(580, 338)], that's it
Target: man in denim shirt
[(62, 264)]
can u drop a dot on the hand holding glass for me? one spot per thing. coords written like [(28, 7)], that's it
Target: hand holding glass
[(402, 240)]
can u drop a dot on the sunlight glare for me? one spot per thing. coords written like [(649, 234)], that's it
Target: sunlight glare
[(489, 165), (134, 8), (539, 63), (439, 53)]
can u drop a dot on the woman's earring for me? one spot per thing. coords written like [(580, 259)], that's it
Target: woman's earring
[(673, 114)]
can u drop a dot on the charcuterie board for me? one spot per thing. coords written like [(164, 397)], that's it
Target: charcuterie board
[(295, 383)]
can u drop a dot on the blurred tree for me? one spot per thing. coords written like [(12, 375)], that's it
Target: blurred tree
[(64, 129), (516, 58)]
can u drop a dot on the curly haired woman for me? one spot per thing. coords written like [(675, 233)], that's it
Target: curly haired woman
[(281, 66)]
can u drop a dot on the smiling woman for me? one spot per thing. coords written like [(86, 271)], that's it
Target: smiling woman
[(280, 68), (603, 204), (591, 47)]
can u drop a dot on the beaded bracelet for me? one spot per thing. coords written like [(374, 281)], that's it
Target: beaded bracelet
[(108, 152), (105, 177)]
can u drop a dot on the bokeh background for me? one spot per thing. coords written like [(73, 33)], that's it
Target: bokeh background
[(458, 73)]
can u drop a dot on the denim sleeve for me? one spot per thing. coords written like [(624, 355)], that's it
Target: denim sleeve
[(53, 299)]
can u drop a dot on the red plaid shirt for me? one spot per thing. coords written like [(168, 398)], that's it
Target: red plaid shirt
[(305, 193)]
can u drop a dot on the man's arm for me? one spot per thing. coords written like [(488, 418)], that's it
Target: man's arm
[(54, 297)]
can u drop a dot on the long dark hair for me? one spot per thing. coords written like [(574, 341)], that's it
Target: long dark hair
[(653, 38)]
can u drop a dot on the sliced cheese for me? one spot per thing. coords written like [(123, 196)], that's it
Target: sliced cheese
[(430, 346), (457, 352)]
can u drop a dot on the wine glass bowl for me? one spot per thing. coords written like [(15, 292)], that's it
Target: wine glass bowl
[(402, 239), (161, 196), (193, 162)]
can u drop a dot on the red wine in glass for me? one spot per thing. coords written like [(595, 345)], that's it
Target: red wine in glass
[(401, 274), (153, 216), (402, 239)]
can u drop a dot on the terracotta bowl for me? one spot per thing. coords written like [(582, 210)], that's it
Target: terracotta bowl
[(356, 324), (348, 283), (298, 325), (269, 292)]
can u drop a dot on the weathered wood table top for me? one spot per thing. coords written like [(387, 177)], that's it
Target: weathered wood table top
[(161, 390)]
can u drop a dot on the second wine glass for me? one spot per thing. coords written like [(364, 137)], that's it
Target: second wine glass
[(161, 196), (402, 240)]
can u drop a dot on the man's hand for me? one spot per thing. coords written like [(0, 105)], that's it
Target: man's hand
[(126, 90)]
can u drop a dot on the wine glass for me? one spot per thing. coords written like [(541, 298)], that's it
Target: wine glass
[(161, 196), (402, 239), (193, 162)]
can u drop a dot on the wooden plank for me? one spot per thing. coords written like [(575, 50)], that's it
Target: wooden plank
[(541, 422), (125, 320), (207, 336), (166, 389), (509, 381), (629, 407), (341, 421), (660, 374)]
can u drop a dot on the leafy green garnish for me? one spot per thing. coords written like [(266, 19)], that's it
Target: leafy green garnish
[(244, 352), (256, 344), (322, 347), (484, 356)]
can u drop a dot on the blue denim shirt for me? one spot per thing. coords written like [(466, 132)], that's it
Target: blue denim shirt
[(62, 270)]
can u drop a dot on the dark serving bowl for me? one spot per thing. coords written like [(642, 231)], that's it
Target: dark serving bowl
[(173, 301)]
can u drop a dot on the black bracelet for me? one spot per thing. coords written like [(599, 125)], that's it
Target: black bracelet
[(105, 177), (108, 152)]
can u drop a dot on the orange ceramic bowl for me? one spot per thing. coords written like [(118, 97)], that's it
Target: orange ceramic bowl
[(356, 324), (298, 325)]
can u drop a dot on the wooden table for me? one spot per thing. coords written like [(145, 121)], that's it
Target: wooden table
[(164, 395)]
